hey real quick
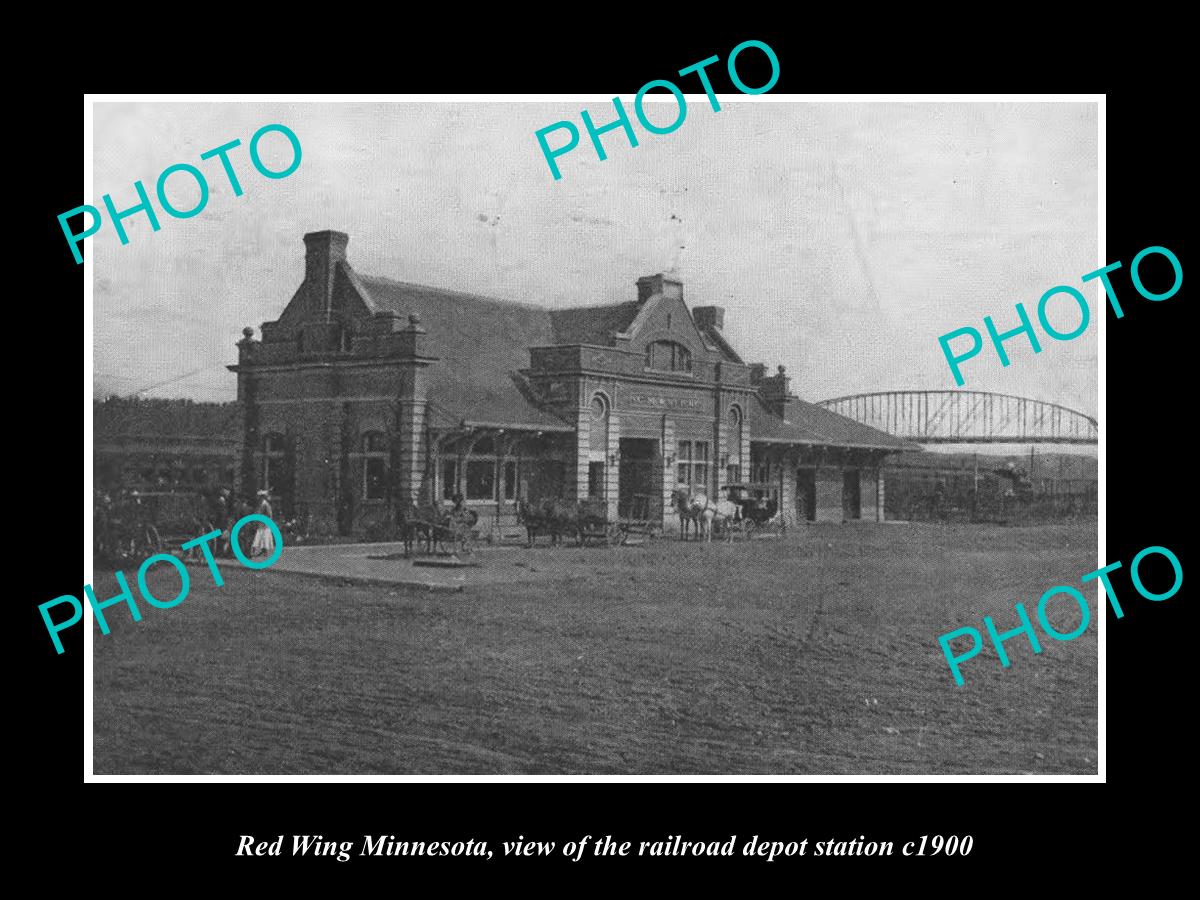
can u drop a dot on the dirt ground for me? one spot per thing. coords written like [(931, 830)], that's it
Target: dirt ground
[(814, 653)]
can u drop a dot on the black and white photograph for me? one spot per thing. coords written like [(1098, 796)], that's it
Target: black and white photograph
[(746, 449)]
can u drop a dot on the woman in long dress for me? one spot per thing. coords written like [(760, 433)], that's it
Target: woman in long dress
[(264, 540)]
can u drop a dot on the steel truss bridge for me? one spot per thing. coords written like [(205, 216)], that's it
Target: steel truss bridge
[(966, 417)]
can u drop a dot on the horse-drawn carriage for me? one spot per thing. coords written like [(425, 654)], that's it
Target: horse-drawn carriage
[(639, 519), (592, 523), (139, 524), (438, 528), (122, 529), (743, 508), (759, 508), (585, 520)]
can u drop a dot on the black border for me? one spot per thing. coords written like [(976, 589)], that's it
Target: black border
[(1148, 488)]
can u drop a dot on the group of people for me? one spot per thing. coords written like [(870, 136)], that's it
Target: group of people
[(225, 512), (127, 511)]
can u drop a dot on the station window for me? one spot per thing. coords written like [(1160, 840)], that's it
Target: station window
[(668, 356), (700, 466), (510, 480), (272, 461), (733, 465), (481, 479), (691, 464), (449, 479), (733, 472)]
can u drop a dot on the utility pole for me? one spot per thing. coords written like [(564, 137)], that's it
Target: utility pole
[(975, 492), (1032, 488)]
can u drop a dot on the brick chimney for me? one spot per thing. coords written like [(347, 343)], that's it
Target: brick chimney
[(323, 250), (412, 337), (775, 391), (709, 317), (668, 285)]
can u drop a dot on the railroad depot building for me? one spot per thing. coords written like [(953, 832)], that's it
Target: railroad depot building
[(367, 393)]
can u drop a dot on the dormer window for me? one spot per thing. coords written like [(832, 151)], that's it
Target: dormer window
[(668, 356)]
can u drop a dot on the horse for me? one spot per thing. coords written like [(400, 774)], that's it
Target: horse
[(700, 511), (549, 517), (421, 522), (723, 513), (726, 514), (682, 500), (410, 525), (437, 526)]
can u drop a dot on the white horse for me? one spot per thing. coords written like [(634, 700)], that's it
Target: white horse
[(728, 514), (705, 513)]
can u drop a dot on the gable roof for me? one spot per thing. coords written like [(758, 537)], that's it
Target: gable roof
[(810, 424), (481, 342), (716, 341), (592, 324)]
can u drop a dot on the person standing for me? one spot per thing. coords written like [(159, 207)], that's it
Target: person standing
[(264, 540), (238, 508), (221, 509)]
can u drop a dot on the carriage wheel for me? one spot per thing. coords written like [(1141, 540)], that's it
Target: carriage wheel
[(443, 536), (465, 540), (195, 552), (749, 528)]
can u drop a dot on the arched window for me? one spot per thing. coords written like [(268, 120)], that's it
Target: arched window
[(449, 478), (597, 446), (481, 470), (668, 356), (273, 452), (733, 471), (485, 476), (691, 465), (375, 461)]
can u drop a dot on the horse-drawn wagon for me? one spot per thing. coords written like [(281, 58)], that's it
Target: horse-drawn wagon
[(639, 519), (592, 523), (123, 529), (439, 527), (585, 520), (759, 506), (139, 524), (706, 517)]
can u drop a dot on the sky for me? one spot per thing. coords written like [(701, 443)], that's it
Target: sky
[(842, 238)]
